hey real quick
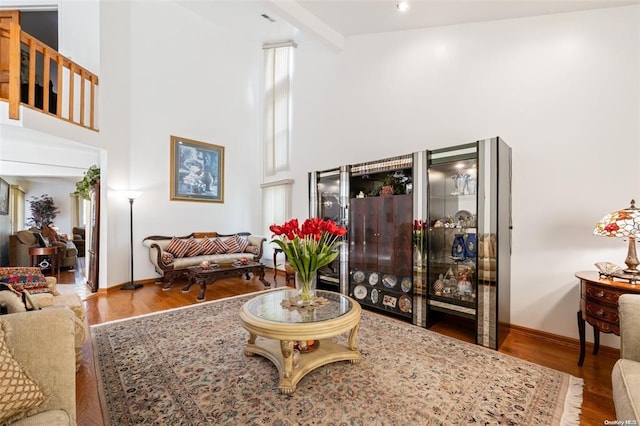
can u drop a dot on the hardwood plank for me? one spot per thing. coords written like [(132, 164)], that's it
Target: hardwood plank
[(561, 354)]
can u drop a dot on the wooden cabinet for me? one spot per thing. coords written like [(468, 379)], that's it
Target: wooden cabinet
[(93, 237), (380, 252), (599, 306)]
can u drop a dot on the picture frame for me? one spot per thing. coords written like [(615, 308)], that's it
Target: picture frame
[(197, 171), (4, 197)]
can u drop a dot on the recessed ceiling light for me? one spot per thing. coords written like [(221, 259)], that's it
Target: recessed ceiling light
[(403, 6)]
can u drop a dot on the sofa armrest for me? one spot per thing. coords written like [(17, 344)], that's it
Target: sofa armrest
[(43, 342), (258, 241), (629, 313)]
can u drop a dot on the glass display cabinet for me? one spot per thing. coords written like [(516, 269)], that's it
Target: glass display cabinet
[(328, 199), (469, 236)]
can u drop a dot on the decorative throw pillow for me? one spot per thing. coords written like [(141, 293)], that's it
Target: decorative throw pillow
[(236, 244), (220, 246), (49, 233), (252, 249), (208, 246), (25, 278), (167, 257), (20, 394), (41, 241), (177, 247), (195, 248), (12, 301)]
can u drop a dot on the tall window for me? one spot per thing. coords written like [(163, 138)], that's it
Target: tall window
[(276, 204), (278, 62), (17, 209)]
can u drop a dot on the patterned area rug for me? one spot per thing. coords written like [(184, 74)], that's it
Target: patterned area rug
[(187, 366)]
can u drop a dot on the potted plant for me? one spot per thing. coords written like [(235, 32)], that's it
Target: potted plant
[(43, 211), (391, 186), (83, 188)]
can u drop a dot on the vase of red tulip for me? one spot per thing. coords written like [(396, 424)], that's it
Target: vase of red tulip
[(308, 248)]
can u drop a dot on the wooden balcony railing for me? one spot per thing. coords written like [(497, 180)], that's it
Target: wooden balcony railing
[(35, 75)]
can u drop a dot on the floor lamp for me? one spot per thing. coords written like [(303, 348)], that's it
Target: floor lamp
[(131, 195)]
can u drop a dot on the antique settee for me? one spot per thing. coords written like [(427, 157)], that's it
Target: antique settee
[(40, 344), (171, 256), (20, 243), (625, 377)]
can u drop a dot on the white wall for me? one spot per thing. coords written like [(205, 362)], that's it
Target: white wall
[(562, 90), (193, 80), (58, 189), (79, 32)]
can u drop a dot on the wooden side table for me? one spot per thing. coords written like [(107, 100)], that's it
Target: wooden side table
[(599, 306), (52, 252), (289, 277)]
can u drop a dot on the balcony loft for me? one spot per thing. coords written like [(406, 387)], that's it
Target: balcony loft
[(37, 77)]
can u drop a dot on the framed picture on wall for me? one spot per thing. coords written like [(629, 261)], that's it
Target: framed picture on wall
[(4, 197), (197, 171)]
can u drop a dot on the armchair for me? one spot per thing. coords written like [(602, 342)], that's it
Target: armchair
[(79, 240), (19, 250), (625, 377), (43, 344)]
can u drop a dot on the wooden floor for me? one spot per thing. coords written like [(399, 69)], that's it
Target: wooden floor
[(559, 354)]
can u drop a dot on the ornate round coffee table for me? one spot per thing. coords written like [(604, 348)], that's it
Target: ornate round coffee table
[(282, 327)]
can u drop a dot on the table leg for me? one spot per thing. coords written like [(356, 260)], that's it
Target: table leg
[(286, 387), (203, 288), (261, 276), (275, 269), (56, 262), (352, 341), (596, 340), (581, 333), (169, 277)]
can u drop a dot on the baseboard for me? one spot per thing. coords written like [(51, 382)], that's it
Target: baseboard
[(119, 286), (562, 340)]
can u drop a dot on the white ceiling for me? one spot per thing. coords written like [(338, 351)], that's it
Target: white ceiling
[(357, 17), (330, 21)]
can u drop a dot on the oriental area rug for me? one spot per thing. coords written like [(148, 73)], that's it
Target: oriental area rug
[(187, 367)]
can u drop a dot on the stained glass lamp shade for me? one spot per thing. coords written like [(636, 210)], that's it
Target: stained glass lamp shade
[(623, 224)]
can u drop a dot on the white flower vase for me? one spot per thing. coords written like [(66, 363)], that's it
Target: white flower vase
[(306, 291), (417, 258)]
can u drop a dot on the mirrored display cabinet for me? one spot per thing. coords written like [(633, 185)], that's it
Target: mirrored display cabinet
[(328, 199), (429, 235), (469, 236)]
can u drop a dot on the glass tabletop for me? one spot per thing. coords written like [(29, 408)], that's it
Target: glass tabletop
[(268, 307)]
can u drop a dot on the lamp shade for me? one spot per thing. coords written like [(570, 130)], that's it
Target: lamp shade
[(132, 195), (621, 223)]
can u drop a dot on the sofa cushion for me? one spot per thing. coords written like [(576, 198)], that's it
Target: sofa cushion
[(25, 278), (20, 395), (46, 418), (221, 247), (27, 238), (208, 246), (625, 379), (177, 247), (195, 248), (236, 244)]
